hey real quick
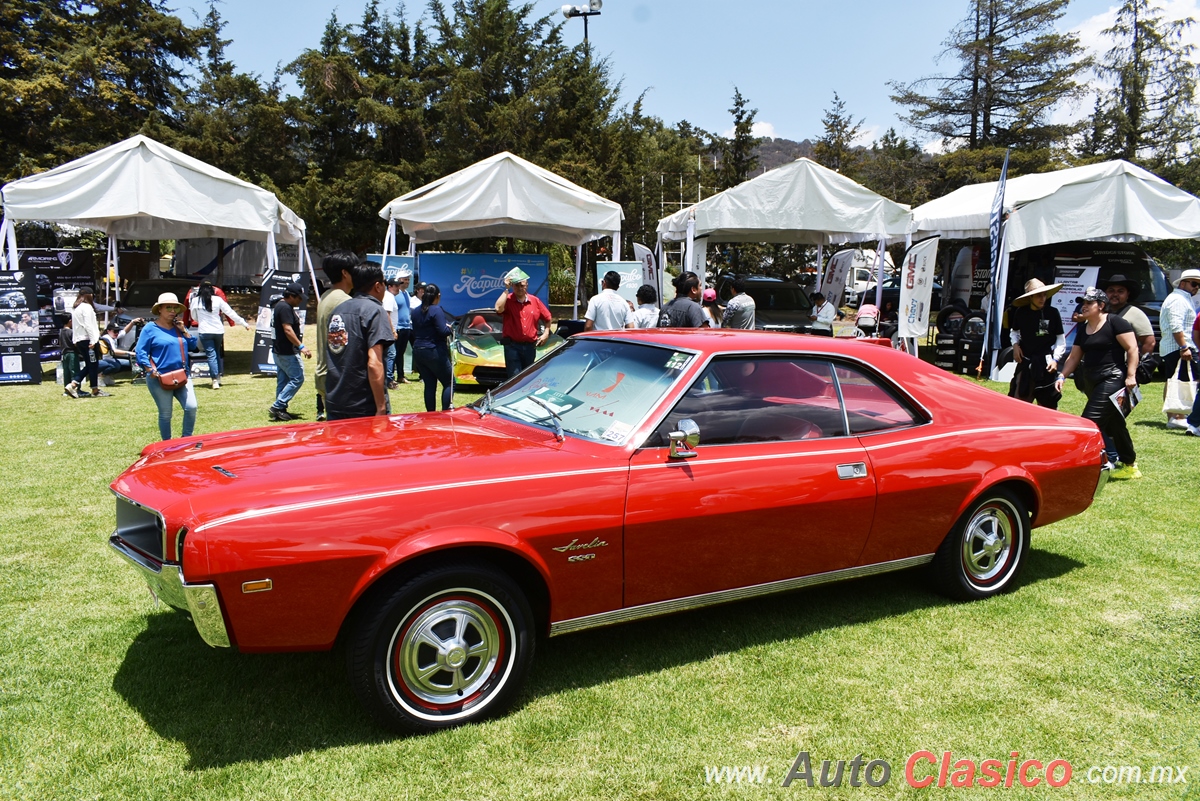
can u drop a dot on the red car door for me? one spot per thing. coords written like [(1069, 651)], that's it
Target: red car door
[(776, 490)]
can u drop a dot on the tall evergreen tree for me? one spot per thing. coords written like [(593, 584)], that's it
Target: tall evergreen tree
[(1151, 113), (738, 158), (1014, 68), (835, 148)]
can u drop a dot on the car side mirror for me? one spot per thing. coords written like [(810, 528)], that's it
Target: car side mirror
[(685, 440)]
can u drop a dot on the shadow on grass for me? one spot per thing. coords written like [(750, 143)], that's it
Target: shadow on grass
[(226, 707), (602, 655)]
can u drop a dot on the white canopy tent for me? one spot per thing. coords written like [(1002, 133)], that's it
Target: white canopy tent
[(800, 203), (504, 195), (1115, 202), (142, 189)]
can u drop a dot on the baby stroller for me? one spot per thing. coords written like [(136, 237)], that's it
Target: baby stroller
[(867, 321)]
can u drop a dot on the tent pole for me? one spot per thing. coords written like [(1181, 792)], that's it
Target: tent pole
[(879, 261), (312, 271), (8, 247), (615, 255), (578, 273), (820, 266)]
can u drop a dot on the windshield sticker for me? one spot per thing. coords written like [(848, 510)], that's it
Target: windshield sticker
[(678, 361), (531, 410), (617, 432)]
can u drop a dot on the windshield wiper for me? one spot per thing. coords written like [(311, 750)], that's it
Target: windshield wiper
[(558, 430), (485, 408)]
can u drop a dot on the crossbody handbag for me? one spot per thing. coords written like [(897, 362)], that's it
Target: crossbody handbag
[(175, 378)]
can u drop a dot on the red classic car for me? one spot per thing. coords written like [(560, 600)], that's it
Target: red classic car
[(630, 474)]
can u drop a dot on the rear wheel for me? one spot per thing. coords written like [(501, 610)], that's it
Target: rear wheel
[(448, 647), (983, 554)]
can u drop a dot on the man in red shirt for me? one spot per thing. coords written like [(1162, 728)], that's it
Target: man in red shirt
[(523, 315)]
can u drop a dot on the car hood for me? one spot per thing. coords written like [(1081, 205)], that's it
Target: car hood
[(230, 473)]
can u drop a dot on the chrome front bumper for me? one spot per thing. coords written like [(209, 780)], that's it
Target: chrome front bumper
[(167, 584)]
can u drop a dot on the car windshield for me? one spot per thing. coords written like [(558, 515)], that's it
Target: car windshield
[(600, 389), (780, 297)]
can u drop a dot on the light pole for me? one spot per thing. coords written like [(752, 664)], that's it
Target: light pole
[(592, 9)]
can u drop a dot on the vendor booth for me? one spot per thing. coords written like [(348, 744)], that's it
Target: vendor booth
[(504, 195), (798, 203), (142, 189), (1113, 202)]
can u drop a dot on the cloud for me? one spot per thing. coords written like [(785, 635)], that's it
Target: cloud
[(866, 136), (760, 129)]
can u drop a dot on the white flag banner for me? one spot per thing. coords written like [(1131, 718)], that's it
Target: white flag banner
[(916, 287), (649, 265), (834, 286)]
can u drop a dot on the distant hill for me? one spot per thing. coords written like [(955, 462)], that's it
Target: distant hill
[(774, 153)]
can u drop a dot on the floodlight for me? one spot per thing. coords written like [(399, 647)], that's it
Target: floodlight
[(594, 5), (568, 11)]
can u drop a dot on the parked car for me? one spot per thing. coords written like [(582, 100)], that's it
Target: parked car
[(779, 305), (629, 474), (891, 292), (476, 350)]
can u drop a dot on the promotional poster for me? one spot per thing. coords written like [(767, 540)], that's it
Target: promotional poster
[(632, 277), (474, 280), (262, 360), (19, 358), (1075, 281), (57, 275)]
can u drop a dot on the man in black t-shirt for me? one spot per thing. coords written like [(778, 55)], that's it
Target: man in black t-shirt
[(358, 335), (289, 372), (684, 311), (1038, 344)]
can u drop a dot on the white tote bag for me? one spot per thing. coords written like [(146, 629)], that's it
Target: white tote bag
[(1181, 390)]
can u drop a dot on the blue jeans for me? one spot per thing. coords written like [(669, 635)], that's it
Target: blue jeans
[(212, 349), (518, 356), (389, 364), (163, 400), (289, 377), (113, 365)]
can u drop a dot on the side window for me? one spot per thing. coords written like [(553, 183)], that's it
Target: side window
[(870, 406), (747, 399)]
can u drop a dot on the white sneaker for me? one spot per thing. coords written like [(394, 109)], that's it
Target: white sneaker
[(1177, 423), (216, 384), (1191, 429)]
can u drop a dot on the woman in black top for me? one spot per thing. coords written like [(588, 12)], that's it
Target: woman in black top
[(1107, 348), (431, 353)]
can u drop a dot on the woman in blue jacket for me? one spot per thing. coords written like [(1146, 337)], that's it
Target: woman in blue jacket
[(161, 348), (431, 353)]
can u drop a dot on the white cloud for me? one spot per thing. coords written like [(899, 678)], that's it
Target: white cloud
[(756, 129), (866, 136)]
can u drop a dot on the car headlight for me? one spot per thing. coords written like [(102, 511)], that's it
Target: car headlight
[(464, 350)]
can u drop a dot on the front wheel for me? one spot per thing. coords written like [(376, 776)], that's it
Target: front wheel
[(448, 647), (983, 554)]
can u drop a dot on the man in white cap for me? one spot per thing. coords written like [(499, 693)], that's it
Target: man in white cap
[(1175, 321), (1038, 344), (526, 322)]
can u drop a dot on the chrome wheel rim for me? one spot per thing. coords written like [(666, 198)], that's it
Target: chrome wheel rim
[(446, 653), (988, 542)]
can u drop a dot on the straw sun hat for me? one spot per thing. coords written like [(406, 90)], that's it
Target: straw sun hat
[(1035, 287)]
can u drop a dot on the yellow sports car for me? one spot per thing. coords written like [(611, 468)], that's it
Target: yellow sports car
[(477, 353)]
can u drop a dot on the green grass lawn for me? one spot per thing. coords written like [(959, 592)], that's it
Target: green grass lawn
[(1095, 659)]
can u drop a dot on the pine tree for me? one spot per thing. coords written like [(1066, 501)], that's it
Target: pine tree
[(1014, 69), (1151, 113), (835, 148), (738, 158)]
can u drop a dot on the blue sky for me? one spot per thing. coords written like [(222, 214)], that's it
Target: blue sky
[(787, 57)]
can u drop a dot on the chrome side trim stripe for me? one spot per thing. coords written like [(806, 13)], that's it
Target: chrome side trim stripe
[(726, 596), (960, 433)]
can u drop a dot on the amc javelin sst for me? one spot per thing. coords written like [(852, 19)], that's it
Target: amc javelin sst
[(629, 474)]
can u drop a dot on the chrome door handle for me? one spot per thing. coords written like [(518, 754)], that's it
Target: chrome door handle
[(856, 470)]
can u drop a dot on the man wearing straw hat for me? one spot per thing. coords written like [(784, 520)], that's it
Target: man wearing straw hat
[(1038, 344)]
